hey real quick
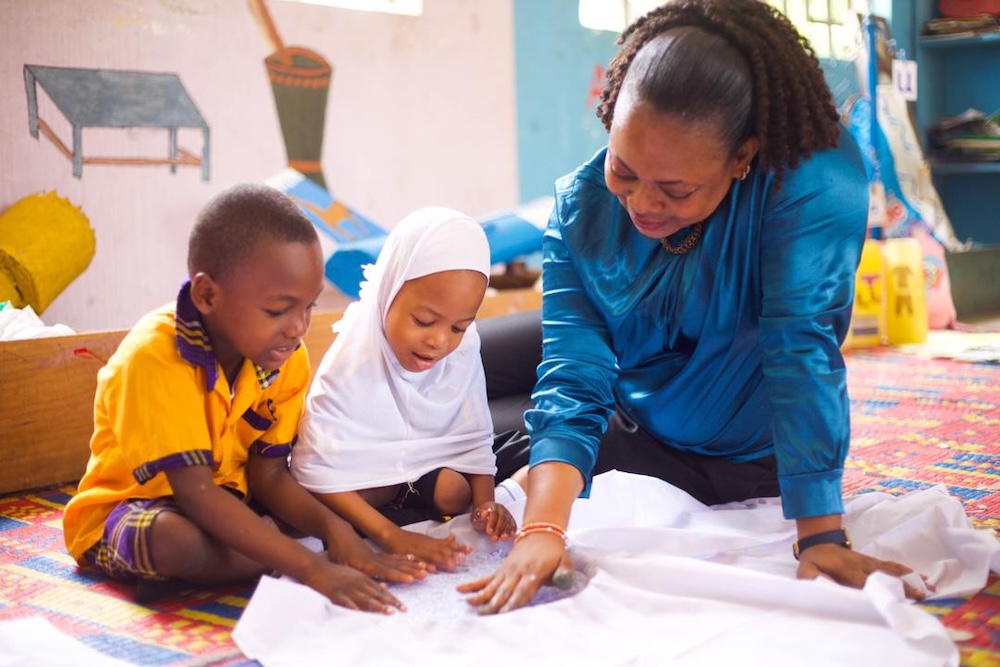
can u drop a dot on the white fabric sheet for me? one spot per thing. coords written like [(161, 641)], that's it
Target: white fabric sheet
[(663, 580), (35, 642)]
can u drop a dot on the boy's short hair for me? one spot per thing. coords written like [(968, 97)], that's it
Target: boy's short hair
[(237, 221)]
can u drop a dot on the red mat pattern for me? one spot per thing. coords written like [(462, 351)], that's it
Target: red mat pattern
[(38, 578), (915, 423)]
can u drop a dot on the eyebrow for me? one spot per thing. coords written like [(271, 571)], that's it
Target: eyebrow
[(288, 298), (625, 164), (440, 316)]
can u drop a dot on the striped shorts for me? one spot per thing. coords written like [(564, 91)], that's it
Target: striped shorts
[(125, 551)]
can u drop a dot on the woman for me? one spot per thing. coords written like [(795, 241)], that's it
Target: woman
[(698, 281)]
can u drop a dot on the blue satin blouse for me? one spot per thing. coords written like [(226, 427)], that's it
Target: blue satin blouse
[(732, 349)]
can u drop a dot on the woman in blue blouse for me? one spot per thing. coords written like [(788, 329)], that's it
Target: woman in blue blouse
[(698, 281)]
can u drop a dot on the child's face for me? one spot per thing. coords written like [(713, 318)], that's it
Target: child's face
[(263, 308), (430, 314)]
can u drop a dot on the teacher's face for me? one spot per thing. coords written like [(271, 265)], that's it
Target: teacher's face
[(668, 172)]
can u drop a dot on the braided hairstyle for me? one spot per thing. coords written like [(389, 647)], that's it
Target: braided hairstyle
[(740, 64)]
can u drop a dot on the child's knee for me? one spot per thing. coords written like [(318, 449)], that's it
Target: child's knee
[(452, 493), (182, 550)]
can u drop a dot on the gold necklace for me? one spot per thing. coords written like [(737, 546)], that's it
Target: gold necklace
[(693, 236)]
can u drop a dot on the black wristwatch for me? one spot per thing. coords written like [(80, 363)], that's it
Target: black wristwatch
[(839, 536)]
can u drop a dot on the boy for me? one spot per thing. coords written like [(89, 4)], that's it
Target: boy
[(196, 413)]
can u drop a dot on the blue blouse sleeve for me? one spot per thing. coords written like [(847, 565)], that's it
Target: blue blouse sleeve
[(810, 246), (573, 396)]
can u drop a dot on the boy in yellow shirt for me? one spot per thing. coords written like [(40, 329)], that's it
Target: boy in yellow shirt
[(197, 411)]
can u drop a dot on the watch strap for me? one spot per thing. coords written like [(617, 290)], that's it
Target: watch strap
[(839, 536)]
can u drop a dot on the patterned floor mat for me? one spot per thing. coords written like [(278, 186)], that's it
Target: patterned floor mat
[(915, 423)]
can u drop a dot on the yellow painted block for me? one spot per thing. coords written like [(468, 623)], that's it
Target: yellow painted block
[(45, 243), (9, 291)]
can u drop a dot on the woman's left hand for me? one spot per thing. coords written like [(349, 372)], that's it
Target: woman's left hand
[(850, 568), (493, 519)]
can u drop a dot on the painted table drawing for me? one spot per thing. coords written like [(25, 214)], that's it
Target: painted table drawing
[(98, 98)]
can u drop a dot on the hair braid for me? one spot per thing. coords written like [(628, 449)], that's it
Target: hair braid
[(793, 113)]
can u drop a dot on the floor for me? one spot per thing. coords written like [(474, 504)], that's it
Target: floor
[(985, 322)]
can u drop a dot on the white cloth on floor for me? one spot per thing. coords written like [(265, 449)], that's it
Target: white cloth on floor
[(667, 580), (34, 641)]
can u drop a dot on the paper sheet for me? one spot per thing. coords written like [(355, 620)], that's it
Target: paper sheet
[(667, 579)]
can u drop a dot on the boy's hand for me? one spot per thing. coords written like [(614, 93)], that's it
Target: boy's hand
[(347, 587), (493, 519), (446, 553)]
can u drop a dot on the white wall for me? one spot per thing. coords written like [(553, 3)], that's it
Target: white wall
[(421, 111)]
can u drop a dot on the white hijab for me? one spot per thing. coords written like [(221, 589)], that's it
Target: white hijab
[(368, 421)]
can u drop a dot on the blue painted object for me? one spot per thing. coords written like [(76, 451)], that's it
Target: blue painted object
[(511, 234)]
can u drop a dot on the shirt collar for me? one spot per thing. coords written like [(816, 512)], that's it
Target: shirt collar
[(195, 346)]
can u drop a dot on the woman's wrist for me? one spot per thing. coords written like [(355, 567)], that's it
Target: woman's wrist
[(818, 524), (541, 528)]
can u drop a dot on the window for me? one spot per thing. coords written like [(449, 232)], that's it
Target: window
[(827, 24)]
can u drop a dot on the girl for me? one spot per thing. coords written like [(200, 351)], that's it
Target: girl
[(397, 427)]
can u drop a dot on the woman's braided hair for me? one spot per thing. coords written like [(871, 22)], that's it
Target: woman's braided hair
[(696, 73)]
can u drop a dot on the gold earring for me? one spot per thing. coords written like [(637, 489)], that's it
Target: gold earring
[(746, 172)]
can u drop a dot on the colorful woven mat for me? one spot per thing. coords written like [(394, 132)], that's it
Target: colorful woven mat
[(38, 577), (915, 423)]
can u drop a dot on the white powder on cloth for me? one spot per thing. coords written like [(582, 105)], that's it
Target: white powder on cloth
[(435, 597)]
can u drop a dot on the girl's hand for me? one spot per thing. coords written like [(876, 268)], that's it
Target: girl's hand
[(850, 568), (389, 567), (493, 519), (533, 562), (446, 553)]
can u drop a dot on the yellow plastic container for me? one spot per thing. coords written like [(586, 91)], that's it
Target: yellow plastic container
[(906, 292), (868, 320)]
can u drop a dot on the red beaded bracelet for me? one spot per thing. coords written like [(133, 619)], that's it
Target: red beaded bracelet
[(540, 527)]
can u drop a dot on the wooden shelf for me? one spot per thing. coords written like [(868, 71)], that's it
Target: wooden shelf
[(960, 40), (964, 167)]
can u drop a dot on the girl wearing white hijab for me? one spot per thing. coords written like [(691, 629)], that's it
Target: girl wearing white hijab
[(397, 420)]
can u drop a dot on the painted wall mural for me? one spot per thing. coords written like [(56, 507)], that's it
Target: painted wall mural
[(300, 83), (139, 111), (101, 98)]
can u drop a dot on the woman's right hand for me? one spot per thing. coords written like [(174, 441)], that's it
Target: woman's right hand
[(347, 587), (446, 553), (533, 562)]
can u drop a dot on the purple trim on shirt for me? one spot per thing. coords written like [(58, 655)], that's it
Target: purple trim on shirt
[(266, 378), (270, 451), (257, 421), (193, 457), (193, 342)]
